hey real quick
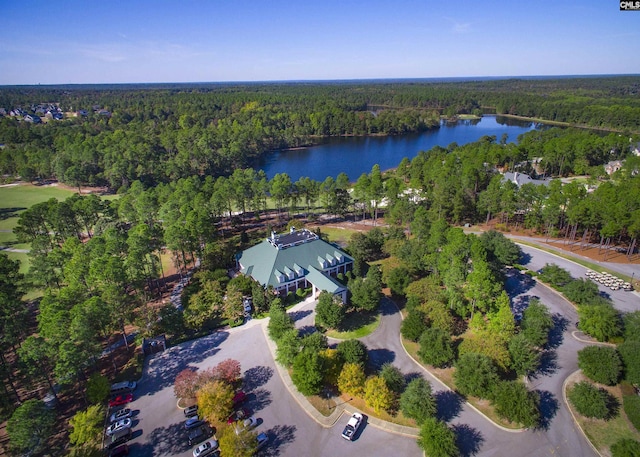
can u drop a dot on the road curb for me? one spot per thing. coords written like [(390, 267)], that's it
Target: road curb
[(564, 398)]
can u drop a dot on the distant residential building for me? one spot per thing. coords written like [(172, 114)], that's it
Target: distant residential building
[(613, 166), (103, 112), (3, 112), (296, 260), (82, 113), (519, 179), (32, 118)]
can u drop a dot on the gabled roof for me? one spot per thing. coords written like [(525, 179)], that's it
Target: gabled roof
[(263, 260)]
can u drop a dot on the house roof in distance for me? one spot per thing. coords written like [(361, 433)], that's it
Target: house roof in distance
[(292, 255)]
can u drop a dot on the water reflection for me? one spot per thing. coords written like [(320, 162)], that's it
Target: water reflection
[(356, 155)]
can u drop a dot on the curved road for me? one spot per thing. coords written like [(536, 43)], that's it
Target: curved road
[(158, 422)]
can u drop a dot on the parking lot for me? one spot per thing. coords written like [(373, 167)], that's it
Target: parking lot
[(158, 428)]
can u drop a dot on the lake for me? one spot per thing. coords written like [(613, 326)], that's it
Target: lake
[(356, 155)]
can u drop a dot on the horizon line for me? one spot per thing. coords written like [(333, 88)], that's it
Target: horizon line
[(344, 80)]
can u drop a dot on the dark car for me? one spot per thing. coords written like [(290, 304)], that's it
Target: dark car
[(198, 435), (119, 451), (190, 411)]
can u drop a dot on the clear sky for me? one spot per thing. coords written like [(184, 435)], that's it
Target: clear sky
[(113, 41)]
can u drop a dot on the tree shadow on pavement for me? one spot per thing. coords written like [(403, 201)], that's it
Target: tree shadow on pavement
[(448, 405), (279, 437), (166, 365), (548, 364), (297, 315), (255, 377), (468, 439), (556, 334), (259, 399), (378, 357), (548, 408), (171, 440)]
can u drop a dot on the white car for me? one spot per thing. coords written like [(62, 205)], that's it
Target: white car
[(119, 415), (247, 424), (119, 425), (352, 426), (206, 448)]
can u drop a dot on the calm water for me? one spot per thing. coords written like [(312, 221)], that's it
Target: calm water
[(356, 155)]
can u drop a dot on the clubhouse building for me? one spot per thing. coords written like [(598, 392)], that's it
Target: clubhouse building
[(296, 260)]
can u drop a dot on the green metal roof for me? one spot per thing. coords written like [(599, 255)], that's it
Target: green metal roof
[(264, 262)]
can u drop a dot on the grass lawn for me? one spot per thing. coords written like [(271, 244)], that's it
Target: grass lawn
[(21, 197), (604, 433), (446, 377), (337, 235), (356, 325)]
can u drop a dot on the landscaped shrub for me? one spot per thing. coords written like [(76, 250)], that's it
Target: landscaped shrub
[(436, 439), (625, 447), (353, 351), (377, 395), (475, 375), (631, 405), (555, 276), (352, 378), (582, 292), (632, 326), (417, 401), (436, 348), (589, 401), (630, 355), (413, 325), (517, 404), (600, 321), (308, 373), (393, 377), (600, 364)]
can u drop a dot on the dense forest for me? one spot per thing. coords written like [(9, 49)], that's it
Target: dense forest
[(163, 133), (180, 158)]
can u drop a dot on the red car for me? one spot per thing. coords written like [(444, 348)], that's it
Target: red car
[(239, 398), (121, 400)]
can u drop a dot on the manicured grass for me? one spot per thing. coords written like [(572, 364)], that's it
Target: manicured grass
[(356, 325), (604, 433), (22, 257), (446, 377), (24, 196), (337, 235)]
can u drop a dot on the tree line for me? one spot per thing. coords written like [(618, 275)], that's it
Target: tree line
[(164, 133)]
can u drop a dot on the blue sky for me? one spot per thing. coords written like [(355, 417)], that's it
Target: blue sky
[(88, 41)]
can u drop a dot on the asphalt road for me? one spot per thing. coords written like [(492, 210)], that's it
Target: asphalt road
[(158, 422)]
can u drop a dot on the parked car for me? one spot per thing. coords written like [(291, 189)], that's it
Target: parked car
[(120, 451), (120, 400), (124, 387), (197, 435), (119, 415), (352, 426), (118, 425), (238, 415), (262, 439), (118, 438), (193, 422), (247, 424), (191, 411), (239, 398), (206, 448)]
